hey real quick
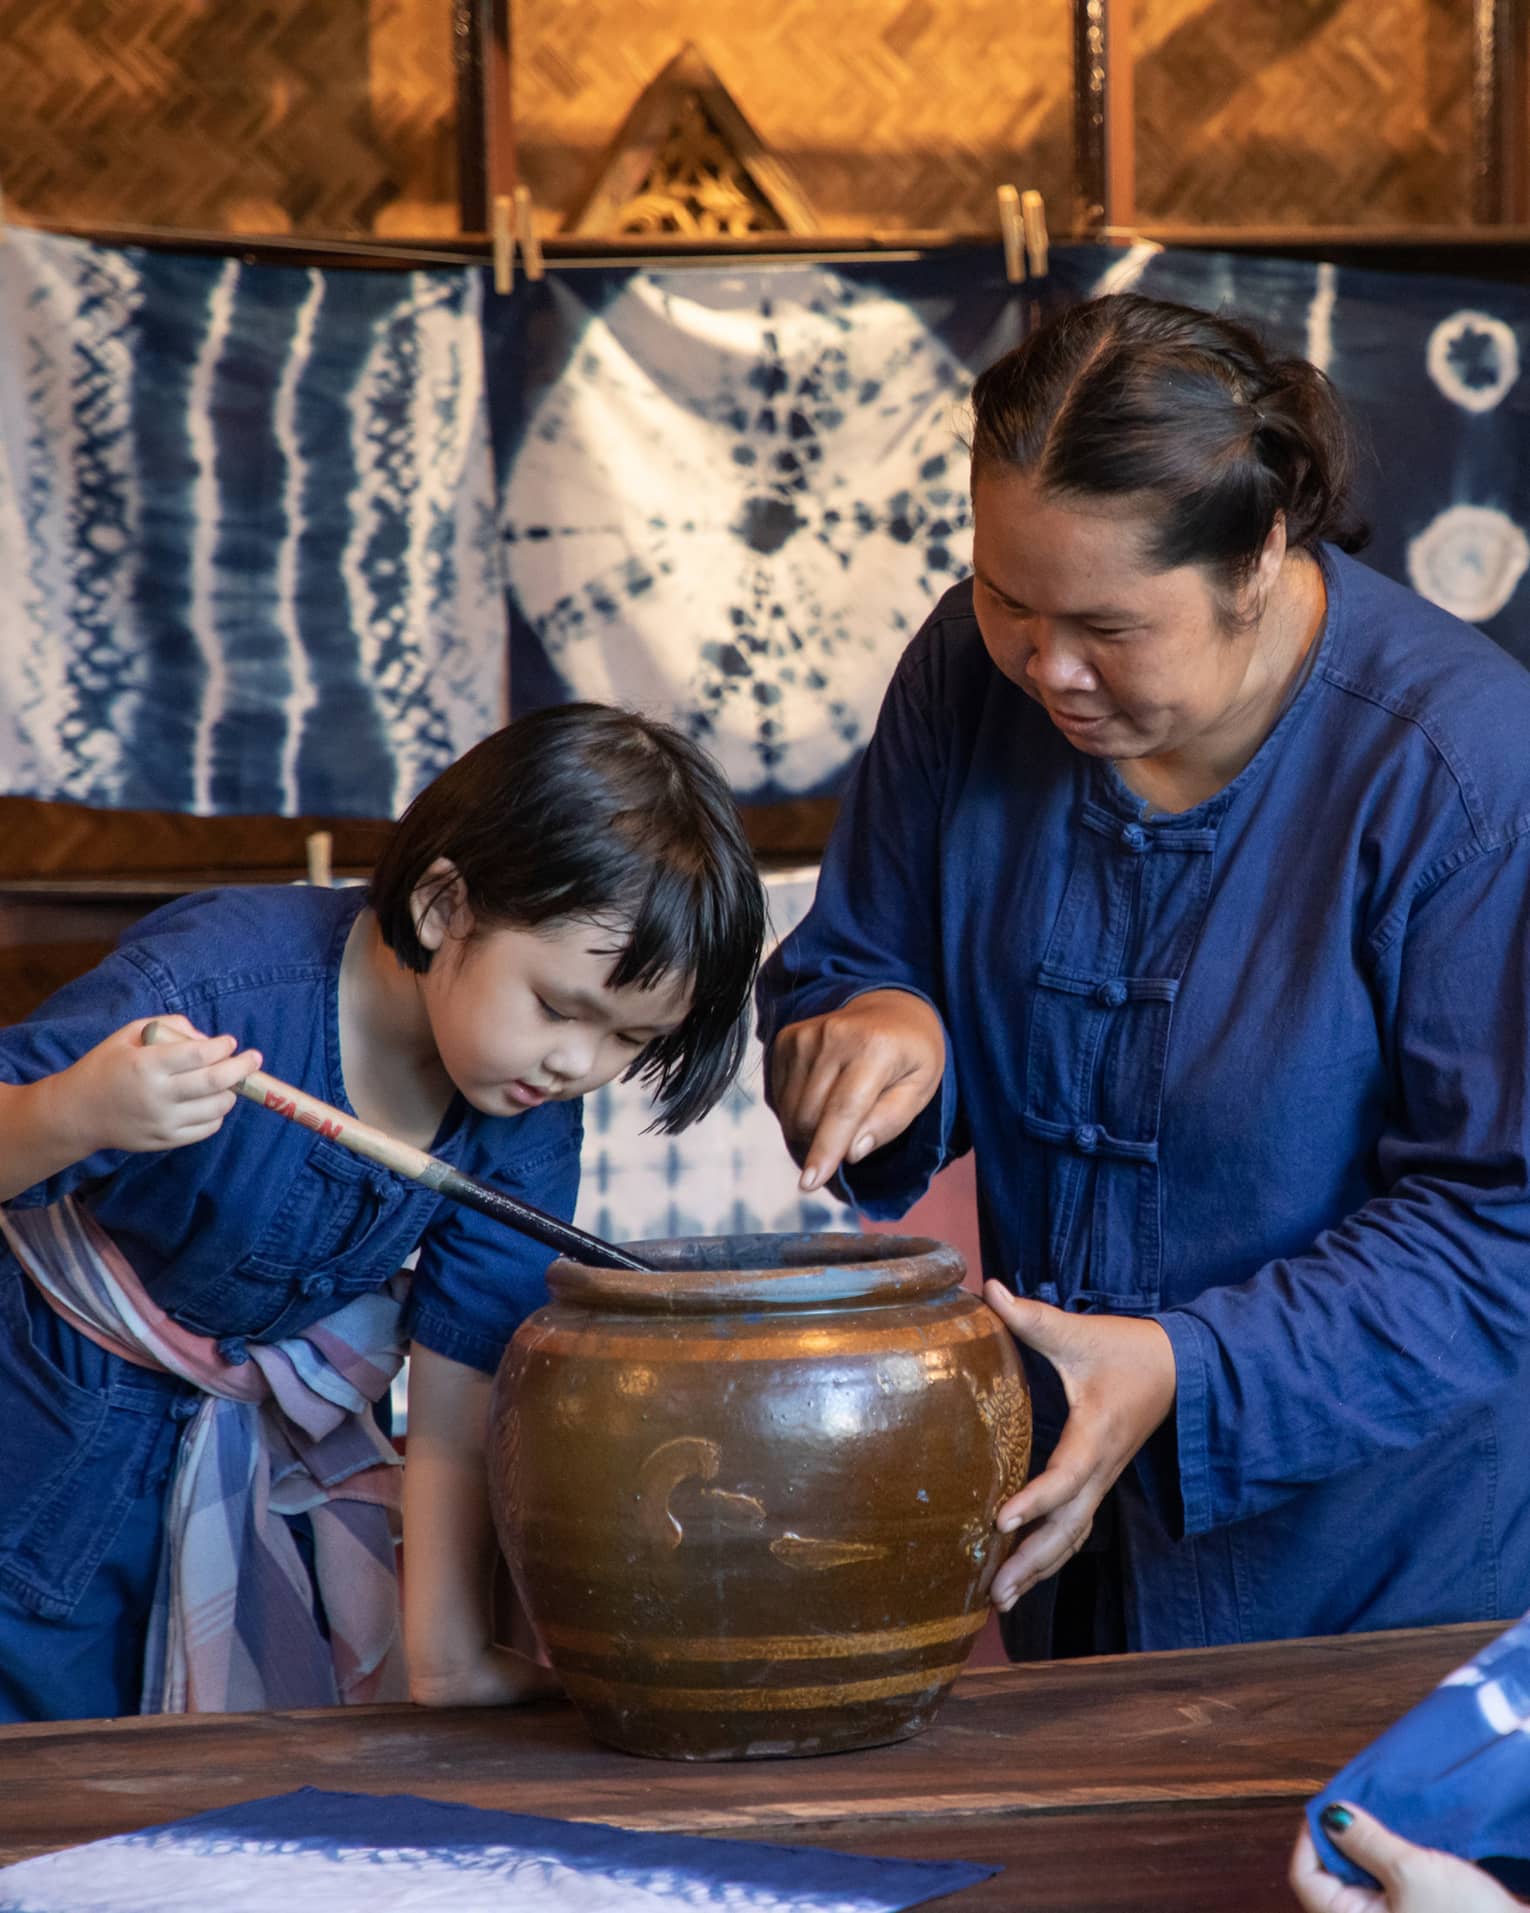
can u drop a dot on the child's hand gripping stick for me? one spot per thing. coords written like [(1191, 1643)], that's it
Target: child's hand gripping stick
[(418, 1165)]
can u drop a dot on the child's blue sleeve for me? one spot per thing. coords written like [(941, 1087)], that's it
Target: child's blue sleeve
[(477, 1279)]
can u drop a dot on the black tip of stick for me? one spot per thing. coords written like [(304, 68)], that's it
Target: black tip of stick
[(551, 1231)]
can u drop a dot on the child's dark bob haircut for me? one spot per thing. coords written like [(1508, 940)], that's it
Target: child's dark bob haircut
[(583, 811)]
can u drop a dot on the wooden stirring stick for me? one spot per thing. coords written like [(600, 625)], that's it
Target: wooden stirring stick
[(418, 1165)]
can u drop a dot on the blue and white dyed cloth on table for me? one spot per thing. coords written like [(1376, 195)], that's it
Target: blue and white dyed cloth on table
[(1430, 367), (1454, 1771), (388, 1853), (729, 1174), (246, 524), (729, 496)]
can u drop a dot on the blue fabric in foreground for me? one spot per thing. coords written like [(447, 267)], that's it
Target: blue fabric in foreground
[(385, 1851), (1454, 1772)]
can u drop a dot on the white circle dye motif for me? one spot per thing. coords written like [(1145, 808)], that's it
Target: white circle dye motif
[(737, 505), (1469, 561), (1473, 358)]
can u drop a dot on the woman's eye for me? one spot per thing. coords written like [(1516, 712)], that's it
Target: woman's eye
[(632, 1042), (1006, 605), (552, 1015)]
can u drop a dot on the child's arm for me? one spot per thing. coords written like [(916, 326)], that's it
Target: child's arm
[(449, 1546), (119, 1095)]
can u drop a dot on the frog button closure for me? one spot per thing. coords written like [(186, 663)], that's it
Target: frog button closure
[(1135, 838), (1086, 1137), (233, 1350), (1111, 993)]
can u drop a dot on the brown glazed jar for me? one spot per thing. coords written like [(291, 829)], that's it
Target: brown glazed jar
[(748, 1501)]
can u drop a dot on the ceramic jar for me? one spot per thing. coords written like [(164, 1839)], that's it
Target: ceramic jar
[(748, 1501)]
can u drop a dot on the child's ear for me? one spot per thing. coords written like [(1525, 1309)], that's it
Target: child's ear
[(438, 903)]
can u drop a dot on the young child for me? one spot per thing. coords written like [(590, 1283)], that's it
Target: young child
[(198, 1305)]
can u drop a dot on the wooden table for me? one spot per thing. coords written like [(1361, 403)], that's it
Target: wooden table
[(1170, 1781)]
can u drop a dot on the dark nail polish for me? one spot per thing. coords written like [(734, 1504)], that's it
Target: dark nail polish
[(1336, 1819)]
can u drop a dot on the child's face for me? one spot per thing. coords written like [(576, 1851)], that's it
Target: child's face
[(522, 1017)]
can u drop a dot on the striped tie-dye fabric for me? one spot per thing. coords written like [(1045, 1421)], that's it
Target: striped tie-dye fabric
[(247, 529), (287, 1433)]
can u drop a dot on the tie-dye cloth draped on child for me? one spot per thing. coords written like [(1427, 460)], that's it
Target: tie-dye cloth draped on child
[(287, 1433)]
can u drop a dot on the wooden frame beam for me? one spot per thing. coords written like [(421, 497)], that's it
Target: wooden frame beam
[(1104, 136), (486, 165), (1500, 184)]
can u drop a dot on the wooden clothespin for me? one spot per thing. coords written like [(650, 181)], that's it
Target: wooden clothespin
[(526, 232), (1033, 214), (320, 846), (1011, 229), (504, 245)]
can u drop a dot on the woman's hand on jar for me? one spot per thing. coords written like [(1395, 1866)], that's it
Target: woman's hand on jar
[(1413, 1879), (1119, 1378), (845, 1083)]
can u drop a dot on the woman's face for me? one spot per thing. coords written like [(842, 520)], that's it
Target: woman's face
[(1128, 662)]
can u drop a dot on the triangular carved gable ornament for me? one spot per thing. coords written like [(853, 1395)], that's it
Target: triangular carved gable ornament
[(687, 161)]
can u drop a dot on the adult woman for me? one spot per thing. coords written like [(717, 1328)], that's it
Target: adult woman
[(1186, 877)]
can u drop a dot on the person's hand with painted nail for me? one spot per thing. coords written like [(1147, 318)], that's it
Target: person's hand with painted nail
[(1119, 1378), (1413, 1879), (846, 1083)]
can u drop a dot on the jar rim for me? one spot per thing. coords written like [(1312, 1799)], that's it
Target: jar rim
[(693, 1275)]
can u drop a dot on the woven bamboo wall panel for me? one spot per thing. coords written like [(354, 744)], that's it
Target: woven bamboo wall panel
[(900, 114), (320, 116), (339, 116), (1329, 112)]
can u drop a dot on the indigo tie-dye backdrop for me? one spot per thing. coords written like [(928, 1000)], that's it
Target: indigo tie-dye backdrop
[(245, 529), (730, 494), (259, 557), (727, 1175)]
